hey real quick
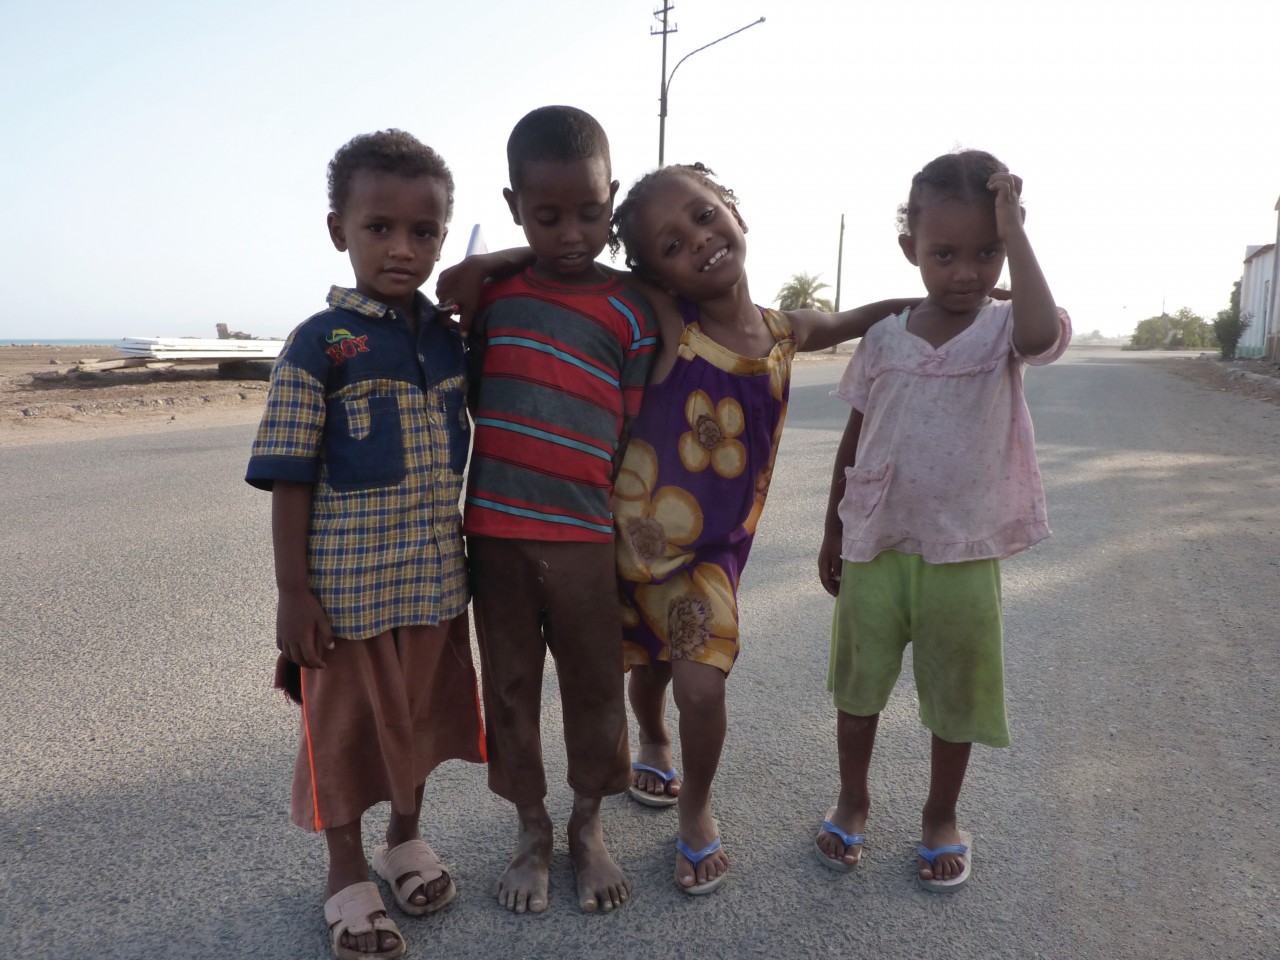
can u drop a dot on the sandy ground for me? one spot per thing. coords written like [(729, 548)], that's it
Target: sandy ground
[(43, 399)]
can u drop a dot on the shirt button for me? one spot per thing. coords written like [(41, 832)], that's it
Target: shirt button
[(421, 358)]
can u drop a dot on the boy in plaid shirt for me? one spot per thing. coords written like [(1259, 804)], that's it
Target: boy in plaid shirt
[(362, 445)]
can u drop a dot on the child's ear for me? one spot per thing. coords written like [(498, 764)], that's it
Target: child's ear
[(510, 196), (733, 208), (336, 233), (443, 237), (908, 245), (613, 191)]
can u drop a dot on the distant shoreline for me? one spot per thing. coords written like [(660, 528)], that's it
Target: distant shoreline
[(47, 342)]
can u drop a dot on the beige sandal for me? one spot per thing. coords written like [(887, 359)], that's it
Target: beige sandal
[(351, 910), (413, 857)]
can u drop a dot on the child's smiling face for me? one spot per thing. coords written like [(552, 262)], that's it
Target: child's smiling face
[(392, 227), (564, 208), (688, 240), (959, 251)]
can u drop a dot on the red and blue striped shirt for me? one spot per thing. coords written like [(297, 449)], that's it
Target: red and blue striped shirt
[(561, 370)]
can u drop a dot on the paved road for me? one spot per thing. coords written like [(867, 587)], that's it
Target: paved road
[(143, 807)]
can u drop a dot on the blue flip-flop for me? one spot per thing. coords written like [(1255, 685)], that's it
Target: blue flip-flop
[(965, 850), (848, 839), (695, 857), (663, 799)]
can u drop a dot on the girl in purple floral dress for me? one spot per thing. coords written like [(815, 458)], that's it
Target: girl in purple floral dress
[(694, 477)]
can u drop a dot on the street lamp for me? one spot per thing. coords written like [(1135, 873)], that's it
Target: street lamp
[(666, 78)]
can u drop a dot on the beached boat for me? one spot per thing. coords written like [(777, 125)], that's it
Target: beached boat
[(198, 349)]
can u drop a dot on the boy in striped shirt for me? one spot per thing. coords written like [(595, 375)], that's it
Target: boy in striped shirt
[(560, 352)]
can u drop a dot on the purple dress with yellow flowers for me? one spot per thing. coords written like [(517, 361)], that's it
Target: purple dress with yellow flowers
[(690, 491)]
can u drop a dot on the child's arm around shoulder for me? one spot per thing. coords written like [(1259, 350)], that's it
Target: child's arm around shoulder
[(667, 312), (459, 288), (1038, 325), (303, 633), (817, 329)]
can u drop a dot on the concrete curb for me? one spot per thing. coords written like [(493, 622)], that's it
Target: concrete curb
[(1255, 377)]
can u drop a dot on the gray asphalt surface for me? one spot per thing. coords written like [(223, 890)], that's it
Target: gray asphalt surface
[(143, 810)]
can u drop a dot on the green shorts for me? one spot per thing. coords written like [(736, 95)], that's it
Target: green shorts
[(951, 613)]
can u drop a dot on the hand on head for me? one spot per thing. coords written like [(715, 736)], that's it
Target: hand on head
[(1009, 212)]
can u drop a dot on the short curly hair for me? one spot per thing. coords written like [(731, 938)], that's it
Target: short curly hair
[(556, 133), (622, 225), (962, 175), (387, 151)]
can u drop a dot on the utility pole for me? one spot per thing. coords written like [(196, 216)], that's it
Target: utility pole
[(839, 271), (662, 92), (668, 27), (839, 262)]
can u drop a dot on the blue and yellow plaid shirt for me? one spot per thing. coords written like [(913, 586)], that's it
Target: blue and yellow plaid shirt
[(376, 419)]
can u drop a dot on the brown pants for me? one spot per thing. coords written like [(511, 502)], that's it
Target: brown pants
[(381, 715), (528, 597)]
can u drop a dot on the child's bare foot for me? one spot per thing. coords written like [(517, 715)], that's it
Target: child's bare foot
[(853, 822), (601, 883), (699, 831), (524, 884), (935, 834)]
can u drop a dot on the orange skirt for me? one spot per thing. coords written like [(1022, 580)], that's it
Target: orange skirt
[(381, 715)]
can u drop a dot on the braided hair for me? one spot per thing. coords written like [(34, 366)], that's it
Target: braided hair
[(622, 225), (960, 176)]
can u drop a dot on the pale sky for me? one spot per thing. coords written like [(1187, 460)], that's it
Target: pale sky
[(163, 165)]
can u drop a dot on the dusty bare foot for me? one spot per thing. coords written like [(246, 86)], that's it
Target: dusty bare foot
[(935, 834), (524, 884), (698, 831), (601, 883), (834, 847)]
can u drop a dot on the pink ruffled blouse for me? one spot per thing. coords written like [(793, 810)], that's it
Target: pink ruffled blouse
[(946, 464)]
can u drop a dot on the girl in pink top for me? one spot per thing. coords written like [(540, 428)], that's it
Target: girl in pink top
[(935, 482)]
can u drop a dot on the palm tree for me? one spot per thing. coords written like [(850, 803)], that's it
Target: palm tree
[(801, 293)]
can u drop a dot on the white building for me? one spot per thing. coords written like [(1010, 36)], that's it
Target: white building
[(1260, 300)]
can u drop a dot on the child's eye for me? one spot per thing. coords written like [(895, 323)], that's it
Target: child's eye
[(672, 247), (705, 215), (425, 233), (378, 229), (546, 221), (943, 256)]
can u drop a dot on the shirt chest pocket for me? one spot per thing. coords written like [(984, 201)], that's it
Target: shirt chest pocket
[(865, 487), (364, 442)]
